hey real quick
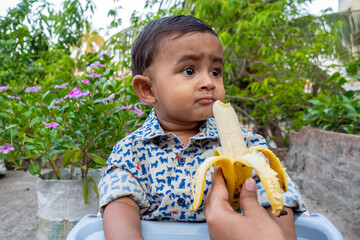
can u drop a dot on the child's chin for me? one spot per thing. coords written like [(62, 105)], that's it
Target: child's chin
[(204, 117)]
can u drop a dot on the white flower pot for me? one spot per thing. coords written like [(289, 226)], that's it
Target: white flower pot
[(61, 203)]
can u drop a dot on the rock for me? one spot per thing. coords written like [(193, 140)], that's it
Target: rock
[(326, 167)]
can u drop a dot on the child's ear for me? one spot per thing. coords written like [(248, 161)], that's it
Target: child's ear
[(143, 88)]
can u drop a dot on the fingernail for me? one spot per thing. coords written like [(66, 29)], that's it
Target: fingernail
[(250, 184)]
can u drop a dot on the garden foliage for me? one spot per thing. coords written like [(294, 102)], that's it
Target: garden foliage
[(54, 106), (274, 54), (48, 113)]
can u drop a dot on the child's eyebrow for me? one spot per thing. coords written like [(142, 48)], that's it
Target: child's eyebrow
[(198, 57)]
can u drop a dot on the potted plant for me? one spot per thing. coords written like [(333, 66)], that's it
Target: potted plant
[(64, 132)]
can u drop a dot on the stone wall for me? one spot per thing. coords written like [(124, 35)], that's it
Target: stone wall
[(326, 166)]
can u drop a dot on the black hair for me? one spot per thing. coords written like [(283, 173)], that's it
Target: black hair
[(145, 46)]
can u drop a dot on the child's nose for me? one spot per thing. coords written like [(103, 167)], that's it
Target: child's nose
[(207, 82)]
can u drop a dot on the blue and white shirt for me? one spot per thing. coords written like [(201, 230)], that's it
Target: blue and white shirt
[(156, 170)]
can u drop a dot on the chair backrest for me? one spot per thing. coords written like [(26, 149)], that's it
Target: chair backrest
[(314, 226)]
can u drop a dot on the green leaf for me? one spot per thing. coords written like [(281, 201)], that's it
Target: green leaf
[(350, 107), (95, 186), (27, 114), (34, 121), (47, 97), (34, 168), (71, 156), (341, 82), (85, 192), (11, 126), (5, 115), (333, 77), (98, 159), (349, 128)]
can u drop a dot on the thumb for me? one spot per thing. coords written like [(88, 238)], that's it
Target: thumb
[(248, 198), (217, 191)]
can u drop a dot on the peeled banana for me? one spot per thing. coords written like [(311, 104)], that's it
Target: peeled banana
[(237, 162)]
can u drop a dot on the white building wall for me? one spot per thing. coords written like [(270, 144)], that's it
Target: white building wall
[(345, 5)]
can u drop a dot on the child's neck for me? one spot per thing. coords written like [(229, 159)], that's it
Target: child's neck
[(185, 136), (183, 132)]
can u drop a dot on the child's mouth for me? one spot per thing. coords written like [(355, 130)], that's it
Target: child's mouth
[(207, 100)]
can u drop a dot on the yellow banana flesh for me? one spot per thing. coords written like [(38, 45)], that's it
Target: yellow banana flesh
[(237, 162)]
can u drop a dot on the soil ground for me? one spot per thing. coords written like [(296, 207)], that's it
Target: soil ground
[(18, 205)]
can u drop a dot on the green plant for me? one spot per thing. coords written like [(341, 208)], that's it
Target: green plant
[(79, 120), (335, 113), (338, 110), (53, 107), (272, 51)]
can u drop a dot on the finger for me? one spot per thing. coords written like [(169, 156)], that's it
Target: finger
[(248, 198), (217, 194), (218, 185)]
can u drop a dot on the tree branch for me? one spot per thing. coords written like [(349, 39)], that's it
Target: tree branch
[(247, 98)]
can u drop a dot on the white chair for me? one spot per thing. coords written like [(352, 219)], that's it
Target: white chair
[(314, 226)]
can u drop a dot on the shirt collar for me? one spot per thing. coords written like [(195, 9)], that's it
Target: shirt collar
[(151, 129)]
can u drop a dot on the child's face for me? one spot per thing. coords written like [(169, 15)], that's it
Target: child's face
[(186, 77)]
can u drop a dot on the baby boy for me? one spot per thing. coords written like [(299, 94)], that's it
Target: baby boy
[(177, 66)]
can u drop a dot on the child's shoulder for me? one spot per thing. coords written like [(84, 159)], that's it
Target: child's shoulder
[(129, 138), (252, 138)]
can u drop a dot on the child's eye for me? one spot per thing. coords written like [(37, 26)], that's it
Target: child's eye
[(188, 71), (216, 72)]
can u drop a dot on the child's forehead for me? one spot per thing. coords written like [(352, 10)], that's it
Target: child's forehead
[(168, 40), (178, 49)]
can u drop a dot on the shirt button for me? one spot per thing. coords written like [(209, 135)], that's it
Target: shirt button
[(181, 202), (181, 161)]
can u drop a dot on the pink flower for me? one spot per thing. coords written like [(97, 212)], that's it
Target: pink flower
[(89, 70), (93, 75), (110, 98), (127, 133), (49, 125), (126, 107), (60, 101), (61, 86), (96, 75), (13, 97), (76, 93), (138, 112), (40, 104), (3, 88), (86, 81), (144, 102), (6, 149), (97, 64), (32, 89), (107, 52)]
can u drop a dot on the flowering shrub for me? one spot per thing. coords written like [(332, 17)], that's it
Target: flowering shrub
[(80, 122)]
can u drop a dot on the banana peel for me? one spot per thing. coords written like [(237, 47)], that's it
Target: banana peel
[(237, 162)]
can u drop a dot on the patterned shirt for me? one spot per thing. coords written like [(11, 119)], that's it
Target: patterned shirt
[(156, 170)]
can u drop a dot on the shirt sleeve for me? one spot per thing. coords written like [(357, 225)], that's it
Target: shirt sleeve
[(291, 198), (253, 139), (121, 183)]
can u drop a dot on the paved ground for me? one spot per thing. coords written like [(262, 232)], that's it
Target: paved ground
[(18, 206)]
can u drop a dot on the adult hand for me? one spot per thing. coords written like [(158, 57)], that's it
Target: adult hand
[(223, 223)]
